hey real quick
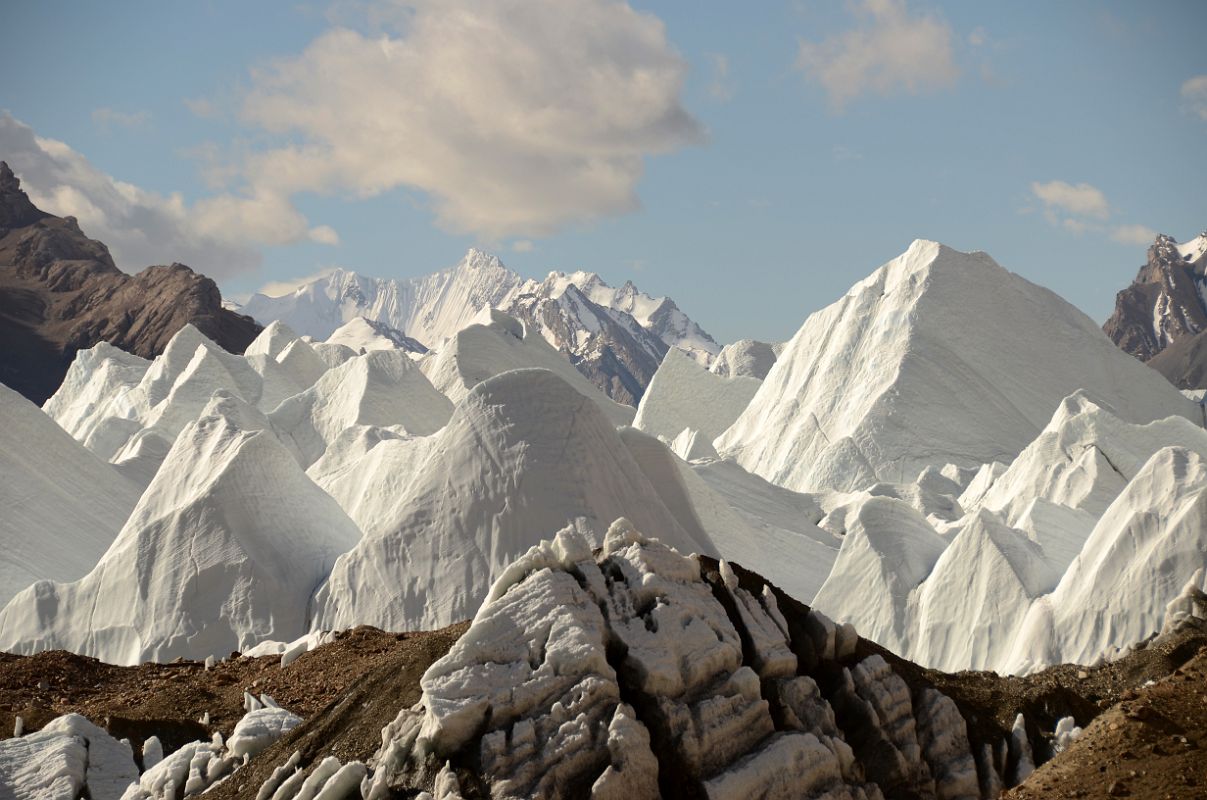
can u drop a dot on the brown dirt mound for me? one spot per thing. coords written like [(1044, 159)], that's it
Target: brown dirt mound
[(169, 700), (1152, 744)]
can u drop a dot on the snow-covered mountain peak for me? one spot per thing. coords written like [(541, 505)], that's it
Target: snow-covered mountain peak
[(615, 337), (1161, 317), (480, 259), (556, 282), (1193, 250)]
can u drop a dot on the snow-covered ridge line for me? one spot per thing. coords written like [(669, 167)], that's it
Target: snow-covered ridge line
[(616, 337)]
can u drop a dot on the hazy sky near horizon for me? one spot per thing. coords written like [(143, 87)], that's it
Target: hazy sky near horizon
[(750, 160)]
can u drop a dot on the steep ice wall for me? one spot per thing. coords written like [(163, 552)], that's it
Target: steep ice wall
[(381, 388), (1017, 582), (224, 549), (523, 455), (500, 343), (60, 506), (938, 357), (1145, 548), (683, 394)]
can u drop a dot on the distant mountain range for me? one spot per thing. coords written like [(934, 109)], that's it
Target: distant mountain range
[(60, 292), (614, 336), (1162, 317)]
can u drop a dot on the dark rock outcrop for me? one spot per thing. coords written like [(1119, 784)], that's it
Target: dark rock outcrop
[(61, 292), (1159, 317)]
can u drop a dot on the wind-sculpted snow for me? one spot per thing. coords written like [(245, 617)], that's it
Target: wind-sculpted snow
[(301, 363), (362, 335), (60, 506), (130, 413), (66, 756), (272, 341), (771, 529), (746, 358), (464, 500), (938, 357), (333, 354), (1017, 583), (70, 758), (523, 454), (684, 394), (1082, 460), (381, 388), (887, 550), (501, 343), (101, 373), (1148, 544), (224, 549), (637, 672)]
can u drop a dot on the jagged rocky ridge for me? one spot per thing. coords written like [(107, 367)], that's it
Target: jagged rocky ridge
[(60, 293), (1162, 316), (615, 337)]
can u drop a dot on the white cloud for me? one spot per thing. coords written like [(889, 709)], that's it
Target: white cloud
[(1081, 208), (889, 49), (978, 37), (523, 246), (219, 236), (323, 234), (106, 118), (1079, 200), (1194, 95), (720, 86), (516, 118), (1133, 234)]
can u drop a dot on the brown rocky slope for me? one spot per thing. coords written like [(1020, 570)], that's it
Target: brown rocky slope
[(61, 292), (1161, 318)]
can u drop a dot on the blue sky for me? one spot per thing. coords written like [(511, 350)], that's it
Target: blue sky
[(750, 160)]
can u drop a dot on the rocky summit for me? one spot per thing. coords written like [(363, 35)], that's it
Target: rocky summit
[(1161, 317), (61, 292)]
